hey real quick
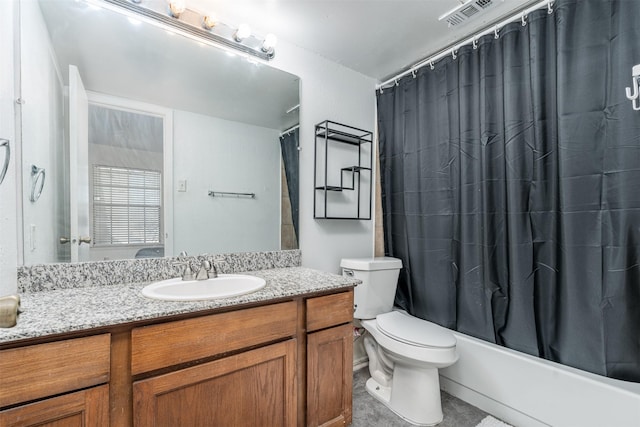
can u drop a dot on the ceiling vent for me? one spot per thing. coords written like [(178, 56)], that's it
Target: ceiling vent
[(466, 11)]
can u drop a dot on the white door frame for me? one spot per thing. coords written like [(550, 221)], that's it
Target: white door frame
[(166, 114)]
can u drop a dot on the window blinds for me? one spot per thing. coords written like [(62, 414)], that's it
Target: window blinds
[(127, 206)]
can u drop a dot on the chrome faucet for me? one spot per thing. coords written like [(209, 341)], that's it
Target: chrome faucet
[(213, 272), (205, 270), (187, 273)]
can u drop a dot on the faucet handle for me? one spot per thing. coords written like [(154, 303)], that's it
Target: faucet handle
[(187, 273)]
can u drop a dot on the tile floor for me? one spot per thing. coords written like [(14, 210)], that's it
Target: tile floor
[(368, 412)]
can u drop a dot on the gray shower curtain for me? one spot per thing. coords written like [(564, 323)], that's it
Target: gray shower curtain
[(289, 143), (511, 188)]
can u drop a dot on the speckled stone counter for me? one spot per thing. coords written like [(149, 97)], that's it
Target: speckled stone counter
[(58, 311)]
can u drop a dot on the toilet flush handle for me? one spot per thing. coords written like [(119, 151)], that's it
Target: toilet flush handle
[(346, 272)]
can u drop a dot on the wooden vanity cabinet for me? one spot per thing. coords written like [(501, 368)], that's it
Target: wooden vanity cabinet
[(281, 364), (254, 387), (56, 384), (330, 360)]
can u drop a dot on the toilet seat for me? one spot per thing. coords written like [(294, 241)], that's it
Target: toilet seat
[(417, 332)]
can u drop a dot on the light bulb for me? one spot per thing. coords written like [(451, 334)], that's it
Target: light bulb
[(209, 21), (242, 32), (270, 42), (176, 7)]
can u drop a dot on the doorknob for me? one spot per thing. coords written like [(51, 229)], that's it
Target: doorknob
[(85, 239), (64, 240)]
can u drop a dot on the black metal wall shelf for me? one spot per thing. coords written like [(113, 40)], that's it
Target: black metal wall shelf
[(343, 153)]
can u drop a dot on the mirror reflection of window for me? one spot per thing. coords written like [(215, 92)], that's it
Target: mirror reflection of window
[(126, 206), (126, 160)]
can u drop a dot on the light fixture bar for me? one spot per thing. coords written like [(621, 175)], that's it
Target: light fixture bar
[(189, 23), (453, 48)]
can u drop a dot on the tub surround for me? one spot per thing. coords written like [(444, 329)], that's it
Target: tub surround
[(527, 391)]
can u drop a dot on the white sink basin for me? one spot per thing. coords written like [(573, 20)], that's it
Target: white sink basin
[(223, 286)]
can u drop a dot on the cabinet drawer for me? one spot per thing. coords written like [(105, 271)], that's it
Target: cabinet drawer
[(330, 310), (43, 370), (158, 346)]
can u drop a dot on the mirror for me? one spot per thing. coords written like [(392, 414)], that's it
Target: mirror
[(153, 143)]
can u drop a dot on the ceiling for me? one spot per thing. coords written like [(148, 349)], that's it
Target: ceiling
[(377, 38)]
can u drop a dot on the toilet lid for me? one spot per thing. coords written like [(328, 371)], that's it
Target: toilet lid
[(414, 331)]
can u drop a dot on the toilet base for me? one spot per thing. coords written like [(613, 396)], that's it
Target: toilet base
[(414, 395)]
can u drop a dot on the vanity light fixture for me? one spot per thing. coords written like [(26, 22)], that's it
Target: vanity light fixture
[(203, 27), (209, 21), (270, 42), (242, 32), (177, 7)]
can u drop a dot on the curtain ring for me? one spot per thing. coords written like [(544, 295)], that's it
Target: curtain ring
[(413, 73), (381, 91), (524, 20), (431, 65), (495, 32), (475, 43), (396, 82), (549, 7), (453, 53)]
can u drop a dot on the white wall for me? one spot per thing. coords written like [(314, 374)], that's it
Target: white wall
[(221, 155), (327, 91), (8, 202), (43, 110)]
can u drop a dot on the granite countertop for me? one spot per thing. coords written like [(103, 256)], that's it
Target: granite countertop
[(69, 310)]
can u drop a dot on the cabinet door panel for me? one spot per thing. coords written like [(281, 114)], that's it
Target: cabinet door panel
[(86, 408), (254, 388), (330, 376)]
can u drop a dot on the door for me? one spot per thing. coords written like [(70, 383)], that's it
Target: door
[(330, 376), (79, 167), (254, 388), (84, 408), (8, 199)]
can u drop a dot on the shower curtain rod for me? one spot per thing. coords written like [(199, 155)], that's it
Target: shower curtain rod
[(473, 40), (291, 129)]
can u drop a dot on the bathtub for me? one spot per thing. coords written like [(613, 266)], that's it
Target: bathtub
[(526, 391)]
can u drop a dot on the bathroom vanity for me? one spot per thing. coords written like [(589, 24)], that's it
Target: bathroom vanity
[(282, 356)]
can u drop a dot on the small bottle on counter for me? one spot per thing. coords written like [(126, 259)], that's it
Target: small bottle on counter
[(9, 309)]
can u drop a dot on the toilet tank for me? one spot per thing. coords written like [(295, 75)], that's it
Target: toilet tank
[(376, 293)]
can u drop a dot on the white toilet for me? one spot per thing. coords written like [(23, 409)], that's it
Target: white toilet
[(404, 352)]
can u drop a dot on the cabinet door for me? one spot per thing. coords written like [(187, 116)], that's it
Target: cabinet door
[(254, 388), (86, 408), (330, 376)]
